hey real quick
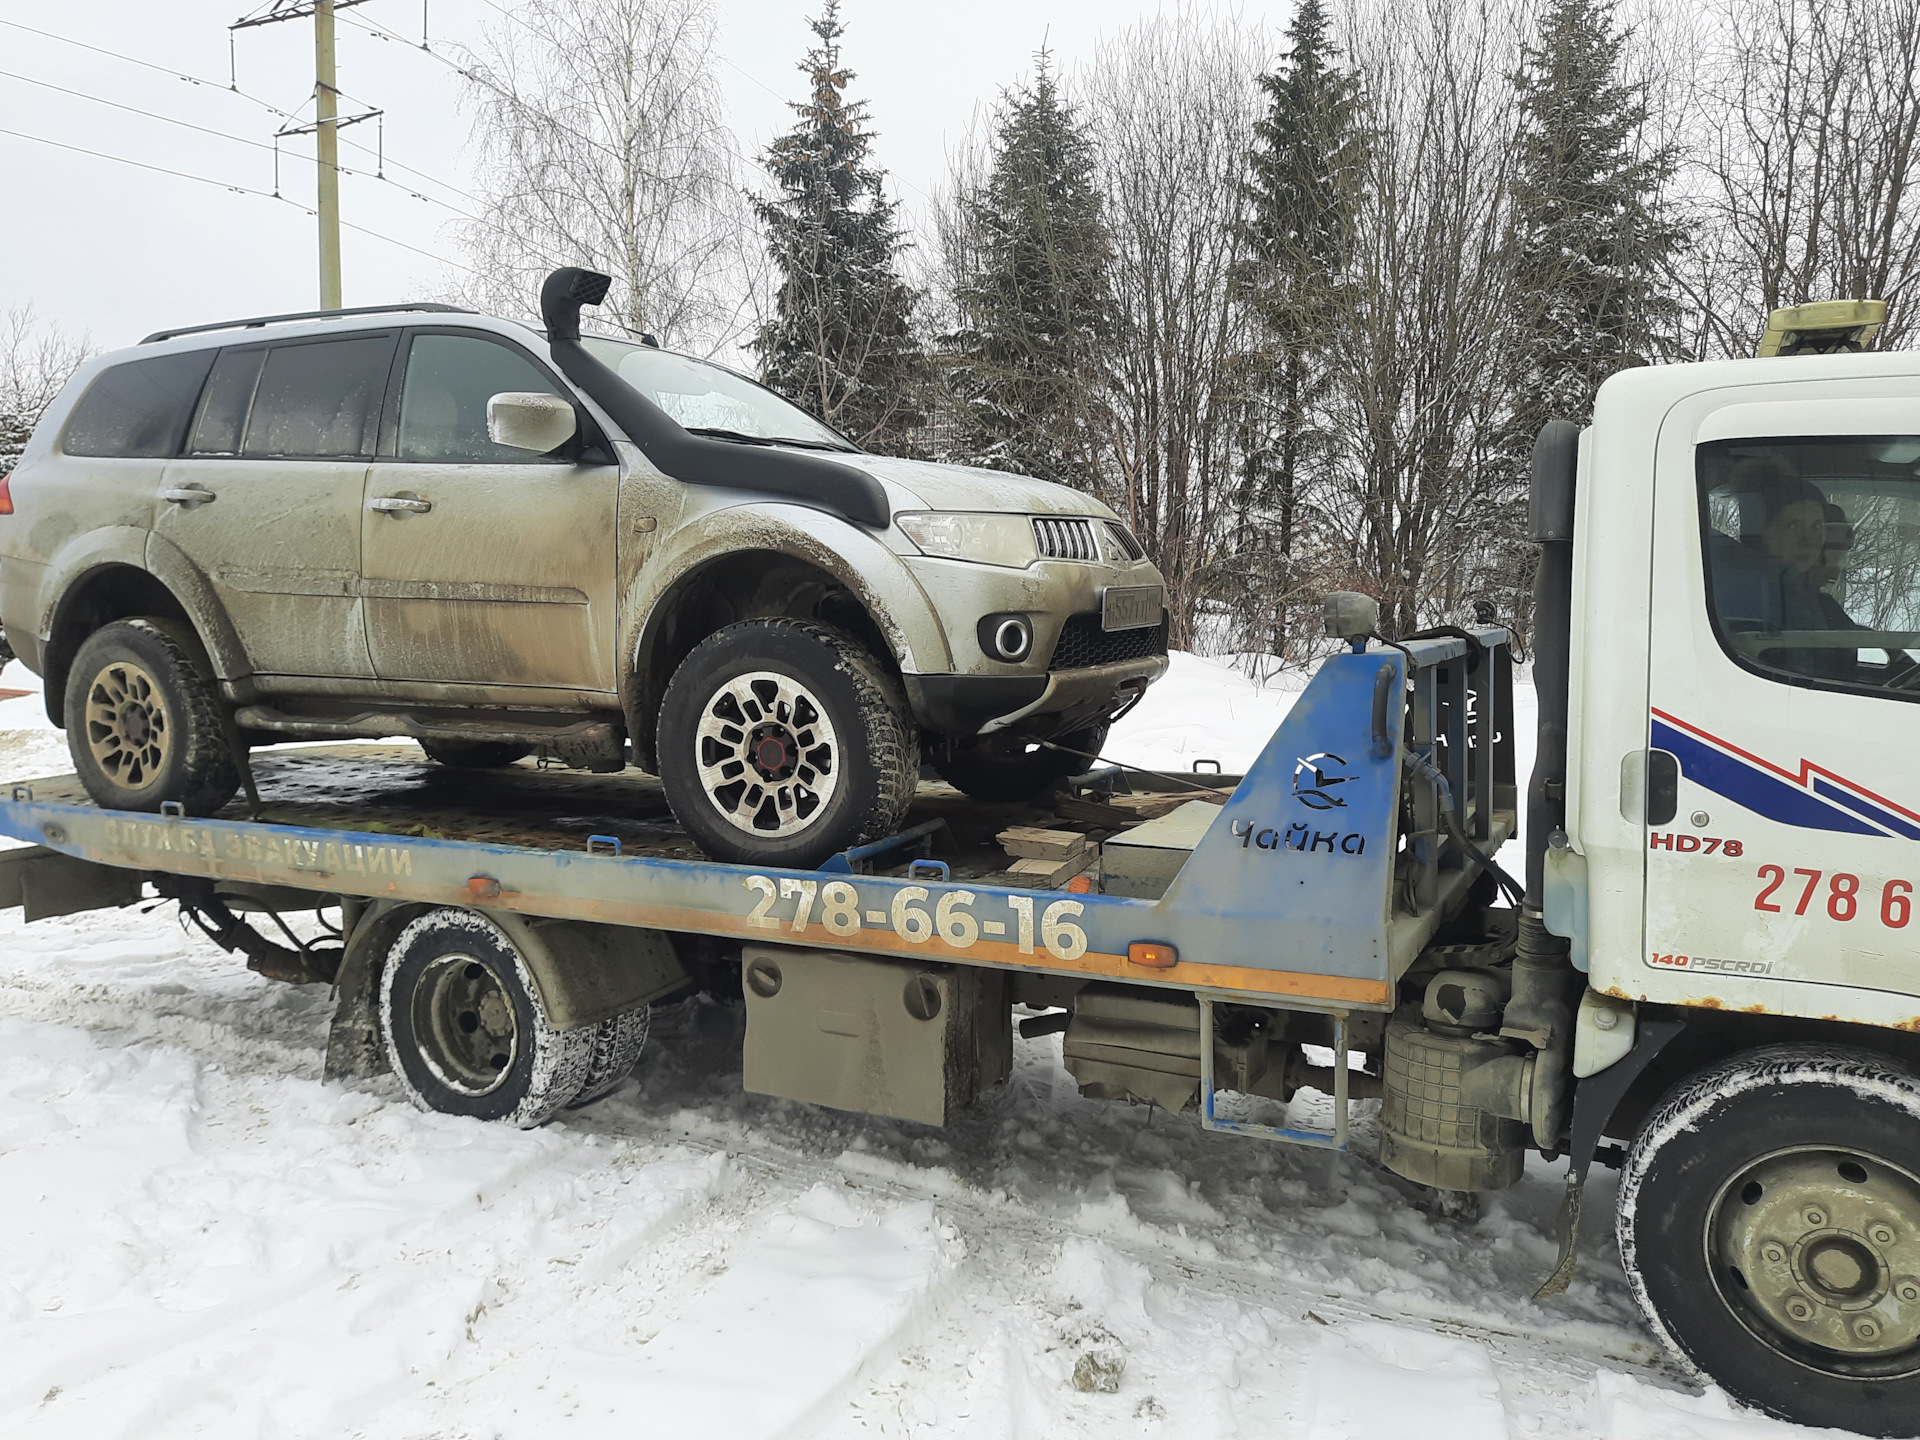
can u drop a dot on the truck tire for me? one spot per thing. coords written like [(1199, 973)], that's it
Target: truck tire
[(783, 741), (144, 721), (1769, 1224), (464, 1028), (617, 1044), (1000, 768), (474, 754)]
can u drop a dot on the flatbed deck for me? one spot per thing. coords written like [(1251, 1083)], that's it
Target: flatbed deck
[(395, 790)]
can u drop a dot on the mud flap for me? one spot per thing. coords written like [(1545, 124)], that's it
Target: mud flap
[(1594, 1100), (45, 883)]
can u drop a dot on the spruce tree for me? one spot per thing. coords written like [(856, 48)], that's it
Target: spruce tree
[(1590, 246), (841, 341), (1024, 364), (1301, 181)]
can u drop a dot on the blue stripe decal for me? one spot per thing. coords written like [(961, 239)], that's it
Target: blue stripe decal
[(1899, 824), (1766, 795)]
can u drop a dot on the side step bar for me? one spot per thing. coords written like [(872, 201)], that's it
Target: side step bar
[(590, 744)]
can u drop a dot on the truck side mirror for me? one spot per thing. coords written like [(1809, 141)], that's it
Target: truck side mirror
[(528, 420)]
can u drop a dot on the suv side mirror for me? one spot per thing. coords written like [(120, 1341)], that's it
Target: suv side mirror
[(528, 420)]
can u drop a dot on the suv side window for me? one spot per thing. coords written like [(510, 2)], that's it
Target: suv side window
[(320, 400), (1813, 559), (139, 408), (443, 401)]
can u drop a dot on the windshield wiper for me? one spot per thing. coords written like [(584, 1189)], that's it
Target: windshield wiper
[(741, 438)]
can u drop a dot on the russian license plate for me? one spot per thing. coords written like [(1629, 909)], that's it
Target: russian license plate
[(1128, 607)]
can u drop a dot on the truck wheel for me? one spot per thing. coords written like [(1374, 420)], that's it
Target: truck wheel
[(474, 754), (144, 720), (782, 742), (617, 1044), (464, 1029), (1769, 1224), (1002, 768)]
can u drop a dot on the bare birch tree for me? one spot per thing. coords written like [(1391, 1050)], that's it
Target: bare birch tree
[(36, 359), (1172, 103), (1423, 364), (601, 141), (1805, 178)]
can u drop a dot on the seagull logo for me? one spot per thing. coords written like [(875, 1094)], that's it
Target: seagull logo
[(1314, 778)]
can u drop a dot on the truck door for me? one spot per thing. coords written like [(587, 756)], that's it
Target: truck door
[(266, 499), (484, 565), (1783, 780)]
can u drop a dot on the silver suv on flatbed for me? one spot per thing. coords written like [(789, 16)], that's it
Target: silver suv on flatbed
[(427, 522)]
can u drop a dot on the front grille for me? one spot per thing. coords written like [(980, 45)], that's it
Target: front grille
[(1123, 542), (1064, 539), (1082, 643)]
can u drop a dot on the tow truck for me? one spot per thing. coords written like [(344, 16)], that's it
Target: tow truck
[(1708, 976)]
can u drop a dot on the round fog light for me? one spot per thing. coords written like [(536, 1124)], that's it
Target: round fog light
[(1012, 638)]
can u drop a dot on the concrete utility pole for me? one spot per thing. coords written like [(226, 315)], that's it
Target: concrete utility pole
[(326, 142), (325, 128)]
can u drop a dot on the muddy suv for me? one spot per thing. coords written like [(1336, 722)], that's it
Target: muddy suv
[(426, 522)]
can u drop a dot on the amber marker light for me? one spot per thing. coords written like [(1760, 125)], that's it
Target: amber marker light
[(1153, 955), (6, 495)]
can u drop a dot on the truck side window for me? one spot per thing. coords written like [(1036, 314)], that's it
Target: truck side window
[(1812, 549), (138, 409), (443, 403), (320, 400)]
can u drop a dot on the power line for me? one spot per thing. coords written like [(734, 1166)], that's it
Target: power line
[(230, 89), (225, 185), (236, 139), (135, 110)]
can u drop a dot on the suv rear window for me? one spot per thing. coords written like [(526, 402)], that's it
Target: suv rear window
[(320, 400), (137, 409)]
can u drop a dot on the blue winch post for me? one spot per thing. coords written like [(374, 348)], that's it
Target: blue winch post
[(1336, 1139)]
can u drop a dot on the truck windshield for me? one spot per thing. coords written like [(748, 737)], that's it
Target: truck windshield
[(1813, 558), (709, 400)]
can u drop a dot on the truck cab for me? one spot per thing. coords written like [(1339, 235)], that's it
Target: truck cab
[(1744, 803)]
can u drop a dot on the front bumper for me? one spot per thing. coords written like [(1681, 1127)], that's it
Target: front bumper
[(1061, 700)]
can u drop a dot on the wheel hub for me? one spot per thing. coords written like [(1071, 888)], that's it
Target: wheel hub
[(767, 753), (1818, 1252), (127, 726), (464, 1023), (773, 752)]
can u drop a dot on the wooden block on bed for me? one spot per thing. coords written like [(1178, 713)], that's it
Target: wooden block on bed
[(1030, 842)]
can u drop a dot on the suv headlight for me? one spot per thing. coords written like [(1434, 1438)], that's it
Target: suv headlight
[(984, 539)]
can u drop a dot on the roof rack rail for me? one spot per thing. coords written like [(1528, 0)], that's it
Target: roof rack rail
[(258, 320)]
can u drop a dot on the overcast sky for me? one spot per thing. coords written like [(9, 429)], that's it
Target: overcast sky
[(117, 251)]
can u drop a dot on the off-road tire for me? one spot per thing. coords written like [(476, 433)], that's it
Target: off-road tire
[(877, 750), (1000, 769), (439, 1050), (158, 667), (474, 754), (617, 1044), (1702, 1176)]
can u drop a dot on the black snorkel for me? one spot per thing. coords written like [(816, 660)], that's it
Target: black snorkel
[(811, 480)]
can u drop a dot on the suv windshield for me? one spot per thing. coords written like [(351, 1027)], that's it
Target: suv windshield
[(708, 400)]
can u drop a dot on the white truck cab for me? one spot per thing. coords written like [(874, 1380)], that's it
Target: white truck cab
[(1743, 802), (1736, 859)]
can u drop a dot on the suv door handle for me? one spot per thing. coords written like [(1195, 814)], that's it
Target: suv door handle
[(399, 505), (187, 495)]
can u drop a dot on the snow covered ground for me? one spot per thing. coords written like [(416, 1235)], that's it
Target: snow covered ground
[(202, 1239)]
